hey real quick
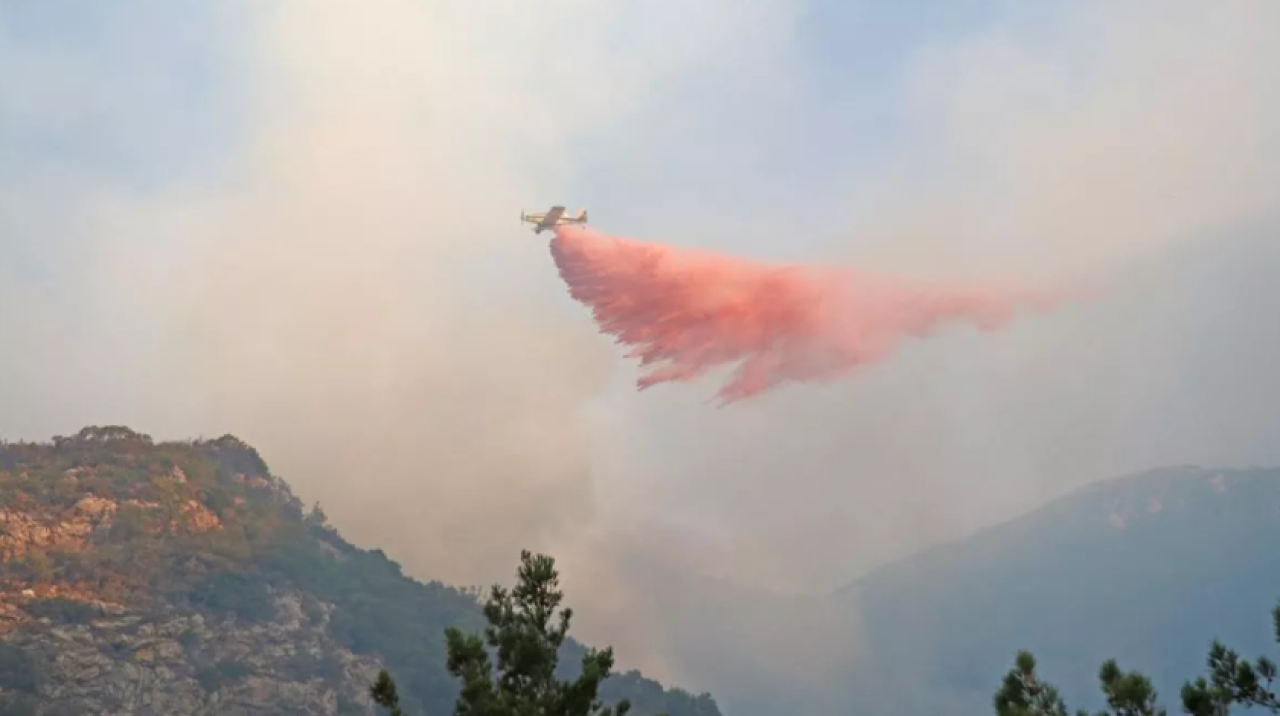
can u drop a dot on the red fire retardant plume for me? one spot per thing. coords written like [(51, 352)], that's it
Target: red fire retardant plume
[(685, 312)]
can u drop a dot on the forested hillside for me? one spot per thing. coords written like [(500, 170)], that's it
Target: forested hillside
[(182, 577)]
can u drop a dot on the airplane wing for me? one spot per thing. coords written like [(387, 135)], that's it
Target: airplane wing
[(554, 215)]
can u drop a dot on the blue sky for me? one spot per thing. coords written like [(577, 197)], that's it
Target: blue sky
[(140, 91)]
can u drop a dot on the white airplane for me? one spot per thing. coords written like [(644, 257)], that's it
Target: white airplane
[(553, 218)]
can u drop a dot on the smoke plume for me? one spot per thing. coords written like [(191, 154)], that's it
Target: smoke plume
[(685, 312)]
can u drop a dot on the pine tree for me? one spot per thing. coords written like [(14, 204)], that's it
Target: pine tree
[(1023, 694), (1231, 680), (525, 633), (385, 695)]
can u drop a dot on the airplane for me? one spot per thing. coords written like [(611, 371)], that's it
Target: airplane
[(553, 218)]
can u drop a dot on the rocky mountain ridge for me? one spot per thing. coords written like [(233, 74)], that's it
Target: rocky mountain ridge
[(182, 578), (122, 661)]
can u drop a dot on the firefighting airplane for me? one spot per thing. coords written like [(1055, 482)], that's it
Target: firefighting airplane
[(553, 218)]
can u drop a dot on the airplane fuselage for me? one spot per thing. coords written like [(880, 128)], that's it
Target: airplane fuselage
[(553, 218)]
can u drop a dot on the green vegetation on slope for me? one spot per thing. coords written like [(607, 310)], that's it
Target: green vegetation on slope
[(158, 550)]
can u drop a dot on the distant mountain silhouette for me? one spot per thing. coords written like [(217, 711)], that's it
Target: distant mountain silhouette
[(1148, 569)]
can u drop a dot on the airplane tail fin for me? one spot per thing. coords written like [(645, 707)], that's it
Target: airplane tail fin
[(582, 215)]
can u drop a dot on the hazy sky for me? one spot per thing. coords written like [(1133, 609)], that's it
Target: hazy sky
[(296, 221)]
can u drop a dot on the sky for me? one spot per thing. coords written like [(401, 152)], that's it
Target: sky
[(296, 222)]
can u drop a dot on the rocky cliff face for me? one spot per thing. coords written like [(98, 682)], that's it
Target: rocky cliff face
[(92, 640), (183, 579), (142, 663)]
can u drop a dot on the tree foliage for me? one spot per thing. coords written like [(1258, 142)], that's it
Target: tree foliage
[(525, 632), (1230, 681), (1022, 693), (384, 693)]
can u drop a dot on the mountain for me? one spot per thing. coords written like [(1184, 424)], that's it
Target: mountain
[(182, 578), (1148, 569)]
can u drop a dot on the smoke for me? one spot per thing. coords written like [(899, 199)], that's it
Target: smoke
[(347, 287), (1080, 138), (1128, 142), (361, 304), (688, 312)]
